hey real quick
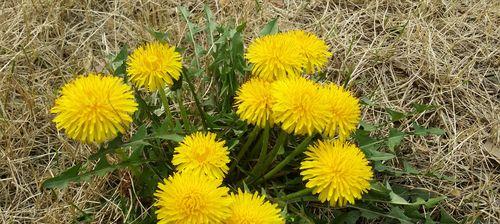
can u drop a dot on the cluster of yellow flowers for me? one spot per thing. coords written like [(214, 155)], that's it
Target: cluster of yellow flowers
[(96, 107), (278, 94), (194, 193)]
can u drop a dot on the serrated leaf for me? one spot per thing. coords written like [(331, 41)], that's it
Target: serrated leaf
[(421, 131), (366, 142), (369, 214), (436, 131), (270, 28), (367, 126), (396, 199), (159, 36), (446, 218), (395, 115), (366, 101), (419, 108), (395, 138), (103, 167), (122, 55), (399, 214), (350, 217), (409, 168), (375, 155), (171, 137), (60, 180)]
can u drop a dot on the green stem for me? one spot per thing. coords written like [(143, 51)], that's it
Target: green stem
[(251, 137), (202, 113), (300, 149), (297, 194), (279, 144), (182, 108), (263, 152), (163, 97)]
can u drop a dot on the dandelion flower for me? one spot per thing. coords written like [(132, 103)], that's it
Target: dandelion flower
[(337, 171), (344, 109), (252, 208), (312, 48), (94, 108), (154, 65), (192, 198), (200, 152), (275, 56), (299, 106), (254, 102)]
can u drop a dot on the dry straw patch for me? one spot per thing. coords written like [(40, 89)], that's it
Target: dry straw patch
[(444, 53)]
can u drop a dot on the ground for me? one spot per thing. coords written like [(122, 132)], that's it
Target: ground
[(444, 53)]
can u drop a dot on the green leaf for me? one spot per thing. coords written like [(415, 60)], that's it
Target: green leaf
[(350, 217), (375, 155), (367, 126), (446, 218), (122, 55), (421, 131), (398, 200), (60, 180), (159, 36), (395, 138), (366, 101), (270, 28), (369, 214), (395, 115), (171, 137), (211, 25), (409, 168), (399, 214), (436, 131), (366, 142), (419, 108)]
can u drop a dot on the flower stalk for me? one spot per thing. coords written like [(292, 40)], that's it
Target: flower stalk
[(169, 117)]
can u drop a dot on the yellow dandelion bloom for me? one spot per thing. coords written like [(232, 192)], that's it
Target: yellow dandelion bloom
[(344, 109), (154, 65), (312, 48), (252, 208), (275, 56), (337, 171), (191, 198), (254, 102), (94, 108), (202, 153), (299, 106)]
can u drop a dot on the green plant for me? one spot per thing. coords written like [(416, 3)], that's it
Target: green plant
[(263, 159)]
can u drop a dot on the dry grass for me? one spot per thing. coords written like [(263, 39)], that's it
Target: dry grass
[(447, 55)]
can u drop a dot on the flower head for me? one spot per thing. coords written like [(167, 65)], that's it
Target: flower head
[(200, 152), (299, 106), (254, 102), (275, 56), (94, 108), (337, 171), (191, 197), (344, 109), (312, 48), (154, 65), (252, 208)]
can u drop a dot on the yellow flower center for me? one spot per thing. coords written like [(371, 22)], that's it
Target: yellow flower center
[(201, 156), (192, 203)]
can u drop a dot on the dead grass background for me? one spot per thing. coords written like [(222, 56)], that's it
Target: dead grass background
[(447, 55)]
